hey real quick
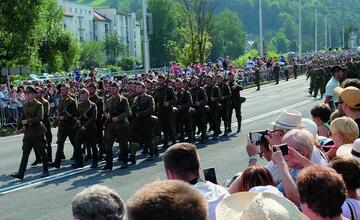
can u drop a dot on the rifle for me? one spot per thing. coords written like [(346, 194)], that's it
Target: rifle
[(78, 125), (56, 122)]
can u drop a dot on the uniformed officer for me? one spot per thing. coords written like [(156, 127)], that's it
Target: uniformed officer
[(236, 100), (99, 119), (46, 122), (34, 130), (86, 130), (184, 117), (276, 71), (142, 131), (67, 111), (213, 94), (165, 100), (257, 80), (117, 111), (225, 101), (199, 98)]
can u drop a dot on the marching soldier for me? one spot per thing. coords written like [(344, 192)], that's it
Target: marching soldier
[(142, 131), (257, 79), (34, 130), (99, 119), (117, 112), (276, 71), (199, 98), (46, 122), (225, 97), (184, 118), (86, 130), (165, 100), (213, 94), (236, 101), (66, 122)]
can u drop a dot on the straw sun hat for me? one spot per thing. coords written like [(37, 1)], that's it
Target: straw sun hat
[(257, 206)]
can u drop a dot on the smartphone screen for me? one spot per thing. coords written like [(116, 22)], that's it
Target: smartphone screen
[(284, 149), (258, 137), (210, 175)]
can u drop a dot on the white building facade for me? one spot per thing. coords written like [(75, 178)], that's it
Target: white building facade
[(78, 18), (89, 24)]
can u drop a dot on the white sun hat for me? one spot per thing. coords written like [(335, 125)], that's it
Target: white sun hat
[(288, 119), (257, 206)]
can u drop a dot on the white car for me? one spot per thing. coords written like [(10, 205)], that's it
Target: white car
[(38, 78)]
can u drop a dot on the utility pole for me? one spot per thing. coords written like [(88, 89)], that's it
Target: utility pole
[(326, 32), (261, 30), (300, 37), (146, 39), (330, 40), (316, 30)]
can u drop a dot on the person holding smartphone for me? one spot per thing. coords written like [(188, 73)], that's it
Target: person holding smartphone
[(182, 162)]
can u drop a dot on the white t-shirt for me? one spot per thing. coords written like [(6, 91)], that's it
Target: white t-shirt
[(346, 210), (214, 194), (330, 86)]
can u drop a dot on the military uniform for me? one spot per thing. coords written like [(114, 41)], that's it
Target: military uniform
[(99, 123), (295, 70), (166, 115), (198, 95), (225, 101), (257, 80), (48, 134), (213, 94), (236, 102), (184, 117), (33, 135), (142, 131), (87, 115), (69, 110), (119, 130), (276, 73)]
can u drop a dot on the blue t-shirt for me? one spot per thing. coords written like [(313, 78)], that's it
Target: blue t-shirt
[(330, 86), (293, 173)]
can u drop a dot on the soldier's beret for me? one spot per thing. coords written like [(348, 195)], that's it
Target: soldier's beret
[(91, 85), (31, 89), (231, 73), (65, 85), (209, 76), (114, 84), (335, 68)]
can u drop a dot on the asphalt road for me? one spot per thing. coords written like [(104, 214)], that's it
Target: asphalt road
[(50, 198)]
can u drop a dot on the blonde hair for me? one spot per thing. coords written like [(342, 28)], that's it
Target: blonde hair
[(347, 128)]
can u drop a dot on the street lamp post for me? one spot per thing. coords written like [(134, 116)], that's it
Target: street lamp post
[(261, 30), (316, 30), (146, 38), (300, 37)]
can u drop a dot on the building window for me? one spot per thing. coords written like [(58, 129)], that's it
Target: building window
[(80, 11), (69, 9), (75, 10)]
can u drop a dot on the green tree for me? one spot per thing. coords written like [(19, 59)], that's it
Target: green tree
[(228, 37), (113, 48), (92, 54), (199, 17), (280, 42), (127, 63), (164, 16), (18, 39)]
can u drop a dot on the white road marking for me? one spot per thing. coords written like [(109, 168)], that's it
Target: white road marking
[(37, 182)]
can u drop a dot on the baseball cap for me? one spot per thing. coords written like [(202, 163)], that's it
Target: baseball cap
[(349, 95)]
